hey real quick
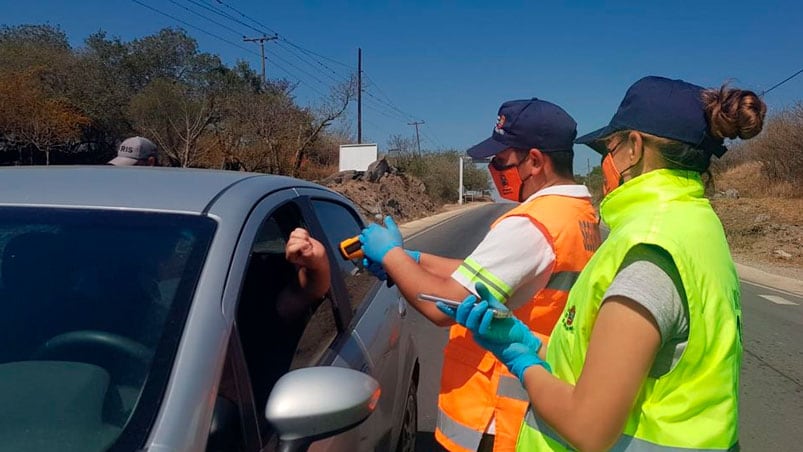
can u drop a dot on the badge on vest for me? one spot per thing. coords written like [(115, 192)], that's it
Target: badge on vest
[(568, 319)]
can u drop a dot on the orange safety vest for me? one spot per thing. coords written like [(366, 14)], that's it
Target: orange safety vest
[(474, 385)]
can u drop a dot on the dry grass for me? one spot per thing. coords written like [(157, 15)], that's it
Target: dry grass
[(751, 181), (757, 228), (770, 165), (315, 172)]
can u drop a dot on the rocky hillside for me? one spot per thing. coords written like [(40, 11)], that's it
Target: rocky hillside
[(383, 190)]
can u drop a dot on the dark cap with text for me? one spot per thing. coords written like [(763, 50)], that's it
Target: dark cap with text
[(527, 124), (133, 150)]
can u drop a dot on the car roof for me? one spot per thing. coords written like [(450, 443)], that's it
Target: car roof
[(141, 188)]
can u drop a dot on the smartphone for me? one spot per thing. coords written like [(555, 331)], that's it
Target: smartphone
[(454, 304)]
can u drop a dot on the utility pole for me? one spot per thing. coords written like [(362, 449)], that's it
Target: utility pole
[(261, 40), (417, 139), (359, 95), (460, 183)]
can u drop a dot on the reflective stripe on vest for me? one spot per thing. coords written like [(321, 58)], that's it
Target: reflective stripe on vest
[(626, 443), (511, 388), (475, 387), (562, 281), (473, 271), (457, 432)]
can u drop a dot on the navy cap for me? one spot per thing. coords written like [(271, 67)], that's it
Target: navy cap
[(527, 124), (663, 107)]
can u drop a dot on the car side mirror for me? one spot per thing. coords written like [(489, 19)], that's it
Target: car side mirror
[(313, 403)]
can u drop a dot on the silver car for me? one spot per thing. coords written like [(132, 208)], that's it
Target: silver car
[(139, 313)]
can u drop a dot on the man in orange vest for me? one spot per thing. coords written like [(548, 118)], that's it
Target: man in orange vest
[(529, 259)]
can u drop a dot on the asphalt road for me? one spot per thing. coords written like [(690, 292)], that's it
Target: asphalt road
[(772, 370)]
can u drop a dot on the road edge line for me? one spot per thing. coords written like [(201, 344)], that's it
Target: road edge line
[(770, 281)]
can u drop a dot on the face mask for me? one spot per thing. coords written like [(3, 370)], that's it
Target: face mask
[(507, 180), (611, 176)]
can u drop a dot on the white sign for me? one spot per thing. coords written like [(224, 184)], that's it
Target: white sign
[(357, 156)]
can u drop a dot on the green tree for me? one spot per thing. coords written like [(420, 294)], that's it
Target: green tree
[(439, 171)]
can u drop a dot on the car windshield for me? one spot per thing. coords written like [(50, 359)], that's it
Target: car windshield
[(93, 303)]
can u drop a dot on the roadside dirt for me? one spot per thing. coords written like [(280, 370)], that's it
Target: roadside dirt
[(766, 233), (382, 190)]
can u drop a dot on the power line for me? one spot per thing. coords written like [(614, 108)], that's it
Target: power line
[(261, 31), (308, 52), (195, 27), (311, 54), (334, 76), (204, 17), (782, 82), (390, 114), (316, 54), (383, 113), (276, 57), (226, 5), (432, 139), (227, 16), (312, 61), (377, 127), (384, 106), (403, 117), (261, 40), (216, 36), (246, 17), (389, 102)]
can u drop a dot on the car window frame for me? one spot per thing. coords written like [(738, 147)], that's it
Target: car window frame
[(248, 411), (261, 211), (350, 318)]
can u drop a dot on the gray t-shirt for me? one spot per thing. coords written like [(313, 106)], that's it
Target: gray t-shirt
[(649, 277)]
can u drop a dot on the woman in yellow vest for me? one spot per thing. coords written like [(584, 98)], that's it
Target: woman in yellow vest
[(646, 355)]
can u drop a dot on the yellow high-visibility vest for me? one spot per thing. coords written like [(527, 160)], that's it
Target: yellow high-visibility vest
[(695, 405)]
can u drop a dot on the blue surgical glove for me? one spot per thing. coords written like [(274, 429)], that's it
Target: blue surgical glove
[(377, 240), (379, 271), (510, 340), (414, 255)]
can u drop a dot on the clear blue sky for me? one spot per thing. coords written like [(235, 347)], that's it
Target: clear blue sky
[(452, 63)]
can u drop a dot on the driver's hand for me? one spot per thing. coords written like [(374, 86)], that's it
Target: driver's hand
[(305, 251)]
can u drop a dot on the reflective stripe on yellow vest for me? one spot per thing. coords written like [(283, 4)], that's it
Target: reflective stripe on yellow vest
[(475, 387), (695, 405)]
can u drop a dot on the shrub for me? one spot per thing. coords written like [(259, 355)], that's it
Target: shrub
[(770, 164), (439, 171)]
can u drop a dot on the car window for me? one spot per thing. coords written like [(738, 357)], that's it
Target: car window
[(339, 223), (273, 340), (91, 299)]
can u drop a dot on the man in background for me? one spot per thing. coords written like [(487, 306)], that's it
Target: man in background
[(136, 151)]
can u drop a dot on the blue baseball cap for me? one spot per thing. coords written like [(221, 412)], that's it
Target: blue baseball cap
[(527, 124), (662, 107)]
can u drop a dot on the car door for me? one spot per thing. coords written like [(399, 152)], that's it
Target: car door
[(375, 323), (264, 343)]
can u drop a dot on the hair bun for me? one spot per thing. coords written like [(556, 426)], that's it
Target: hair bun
[(733, 113)]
